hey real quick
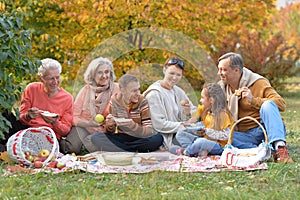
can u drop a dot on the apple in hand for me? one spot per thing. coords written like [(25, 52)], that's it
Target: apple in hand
[(38, 164), (99, 118), (44, 153), (184, 102)]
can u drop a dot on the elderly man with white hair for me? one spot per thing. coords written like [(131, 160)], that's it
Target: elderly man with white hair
[(45, 96)]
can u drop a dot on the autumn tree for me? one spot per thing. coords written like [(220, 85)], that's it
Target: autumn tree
[(73, 31), (265, 49), (70, 30), (287, 23)]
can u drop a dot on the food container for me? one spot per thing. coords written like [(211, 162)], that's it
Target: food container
[(118, 159)]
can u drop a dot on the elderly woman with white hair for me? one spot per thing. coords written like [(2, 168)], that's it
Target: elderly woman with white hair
[(91, 100), (42, 96)]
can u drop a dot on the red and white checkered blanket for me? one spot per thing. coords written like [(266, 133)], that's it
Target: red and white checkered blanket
[(144, 163)]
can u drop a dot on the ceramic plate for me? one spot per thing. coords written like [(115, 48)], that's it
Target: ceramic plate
[(49, 114), (120, 120), (196, 127)]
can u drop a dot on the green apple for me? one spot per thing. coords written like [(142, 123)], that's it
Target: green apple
[(53, 158), (184, 102), (60, 165), (30, 158), (99, 118)]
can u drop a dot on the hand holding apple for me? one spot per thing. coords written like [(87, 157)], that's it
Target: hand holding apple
[(184, 102), (185, 105)]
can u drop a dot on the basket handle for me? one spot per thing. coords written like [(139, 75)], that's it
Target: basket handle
[(244, 118), (55, 143)]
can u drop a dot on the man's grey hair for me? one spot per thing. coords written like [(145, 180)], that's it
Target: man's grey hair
[(235, 60), (48, 63)]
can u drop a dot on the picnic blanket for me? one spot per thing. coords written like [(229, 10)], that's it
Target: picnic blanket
[(141, 163)]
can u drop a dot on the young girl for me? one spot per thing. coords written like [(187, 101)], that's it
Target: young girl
[(217, 120)]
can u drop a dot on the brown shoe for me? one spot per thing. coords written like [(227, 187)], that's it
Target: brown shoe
[(282, 155)]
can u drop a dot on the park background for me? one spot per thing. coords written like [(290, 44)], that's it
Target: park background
[(266, 35)]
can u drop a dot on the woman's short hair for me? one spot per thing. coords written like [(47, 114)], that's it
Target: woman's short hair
[(90, 72), (126, 79), (48, 63)]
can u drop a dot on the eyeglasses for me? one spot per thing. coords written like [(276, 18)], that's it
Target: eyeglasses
[(176, 61)]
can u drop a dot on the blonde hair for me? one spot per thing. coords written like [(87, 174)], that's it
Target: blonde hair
[(218, 107)]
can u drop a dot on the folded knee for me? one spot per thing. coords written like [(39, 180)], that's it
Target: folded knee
[(267, 106)]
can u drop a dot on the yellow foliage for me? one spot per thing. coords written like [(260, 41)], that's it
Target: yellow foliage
[(2, 7), (5, 157), (70, 30)]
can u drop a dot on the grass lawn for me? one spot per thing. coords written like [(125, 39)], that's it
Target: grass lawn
[(280, 181)]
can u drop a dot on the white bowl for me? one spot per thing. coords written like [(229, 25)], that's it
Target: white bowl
[(120, 120), (118, 159)]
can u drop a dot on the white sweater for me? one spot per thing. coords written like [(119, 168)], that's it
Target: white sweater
[(166, 117)]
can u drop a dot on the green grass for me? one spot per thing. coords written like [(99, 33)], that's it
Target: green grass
[(280, 181)]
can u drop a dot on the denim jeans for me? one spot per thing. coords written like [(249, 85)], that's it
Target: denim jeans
[(185, 138), (271, 120), (124, 142), (201, 144), (194, 144)]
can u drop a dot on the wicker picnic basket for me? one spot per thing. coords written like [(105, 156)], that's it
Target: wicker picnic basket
[(235, 157), (33, 140)]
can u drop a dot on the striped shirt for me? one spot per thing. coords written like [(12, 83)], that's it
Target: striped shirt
[(141, 125)]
